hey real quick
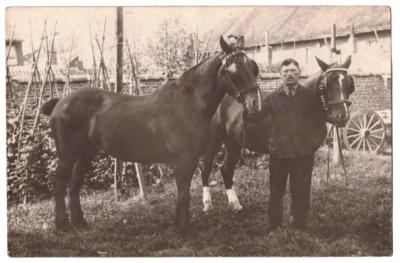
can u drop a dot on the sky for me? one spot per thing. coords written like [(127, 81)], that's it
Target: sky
[(140, 24)]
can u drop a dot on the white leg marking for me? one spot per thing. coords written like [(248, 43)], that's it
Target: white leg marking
[(207, 204), (233, 200), (341, 78)]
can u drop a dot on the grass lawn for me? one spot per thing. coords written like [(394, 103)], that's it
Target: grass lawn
[(346, 219)]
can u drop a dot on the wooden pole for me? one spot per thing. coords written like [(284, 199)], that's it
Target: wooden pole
[(103, 69), (140, 177), (118, 79), (254, 45), (195, 61), (47, 73), (353, 40), (93, 80), (166, 50), (8, 84), (138, 166), (101, 63), (23, 107), (267, 49), (336, 132), (120, 48), (333, 37), (134, 77)]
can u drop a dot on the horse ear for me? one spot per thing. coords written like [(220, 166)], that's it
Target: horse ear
[(322, 64), (351, 86), (240, 42), (347, 63), (225, 46), (255, 68)]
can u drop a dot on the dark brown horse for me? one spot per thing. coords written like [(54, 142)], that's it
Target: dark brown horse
[(333, 85), (172, 125)]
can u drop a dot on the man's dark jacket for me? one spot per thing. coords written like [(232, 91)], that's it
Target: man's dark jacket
[(298, 122)]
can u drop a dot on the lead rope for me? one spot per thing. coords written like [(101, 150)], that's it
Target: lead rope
[(328, 157), (341, 156)]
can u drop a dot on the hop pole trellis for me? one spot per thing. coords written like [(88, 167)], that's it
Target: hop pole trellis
[(47, 74), (67, 65), (93, 78), (34, 80), (8, 84)]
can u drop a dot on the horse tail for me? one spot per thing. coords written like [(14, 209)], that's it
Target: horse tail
[(48, 107)]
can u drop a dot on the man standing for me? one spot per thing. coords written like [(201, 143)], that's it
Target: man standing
[(291, 146)]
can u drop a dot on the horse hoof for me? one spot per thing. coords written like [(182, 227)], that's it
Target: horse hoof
[(64, 227), (235, 207), (81, 224), (207, 207)]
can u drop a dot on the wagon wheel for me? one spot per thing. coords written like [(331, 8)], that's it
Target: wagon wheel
[(365, 132)]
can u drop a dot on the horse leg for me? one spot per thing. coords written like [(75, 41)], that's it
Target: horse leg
[(81, 167), (205, 168), (63, 173), (183, 175), (232, 153)]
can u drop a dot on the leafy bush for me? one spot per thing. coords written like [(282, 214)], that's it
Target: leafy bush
[(31, 168)]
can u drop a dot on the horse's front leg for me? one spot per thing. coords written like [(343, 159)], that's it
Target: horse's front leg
[(232, 153), (206, 163), (184, 170)]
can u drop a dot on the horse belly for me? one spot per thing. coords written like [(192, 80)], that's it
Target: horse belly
[(131, 141)]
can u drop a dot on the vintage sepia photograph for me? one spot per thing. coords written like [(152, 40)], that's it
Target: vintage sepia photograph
[(199, 131)]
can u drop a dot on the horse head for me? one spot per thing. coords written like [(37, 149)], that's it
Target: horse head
[(335, 86), (238, 76)]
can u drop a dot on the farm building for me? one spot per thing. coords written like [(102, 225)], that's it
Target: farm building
[(305, 32), (274, 33)]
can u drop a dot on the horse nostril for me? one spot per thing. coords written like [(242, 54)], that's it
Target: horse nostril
[(255, 102)]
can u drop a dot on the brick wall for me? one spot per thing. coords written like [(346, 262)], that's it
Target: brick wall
[(149, 85), (371, 91)]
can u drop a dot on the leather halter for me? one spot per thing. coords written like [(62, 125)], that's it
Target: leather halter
[(234, 91), (323, 87)]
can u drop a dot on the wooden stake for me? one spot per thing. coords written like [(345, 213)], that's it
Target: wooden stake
[(93, 80), (47, 72), (139, 174), (335, 157), (118, 78)]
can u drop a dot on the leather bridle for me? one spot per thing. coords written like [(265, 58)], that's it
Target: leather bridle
[(323, 88), (232, 88)]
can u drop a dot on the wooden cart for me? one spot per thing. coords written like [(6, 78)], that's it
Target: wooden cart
[(368, 131)]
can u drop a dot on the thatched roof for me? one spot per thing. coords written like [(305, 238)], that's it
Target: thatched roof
[(295, 23)]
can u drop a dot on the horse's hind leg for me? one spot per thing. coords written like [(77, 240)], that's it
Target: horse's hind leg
[(205, 168), (232, 153), (81, 167), (63, 173)]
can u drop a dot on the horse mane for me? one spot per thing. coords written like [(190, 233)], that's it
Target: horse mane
[(312, 80), (189, 73)]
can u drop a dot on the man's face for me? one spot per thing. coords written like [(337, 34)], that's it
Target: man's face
[(290, 74)]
